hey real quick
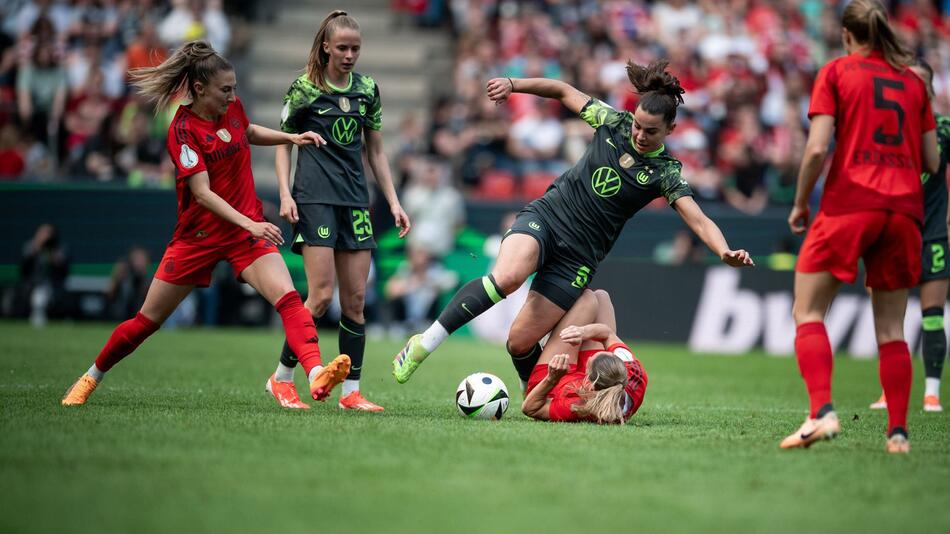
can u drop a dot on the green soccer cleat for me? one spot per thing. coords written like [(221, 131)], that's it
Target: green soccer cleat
[(405, 363)]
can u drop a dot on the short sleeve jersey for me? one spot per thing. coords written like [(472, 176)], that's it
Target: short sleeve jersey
[(880, 115), (589, 204), (222, 150), (565, 395), (332, 174), (935, 187)]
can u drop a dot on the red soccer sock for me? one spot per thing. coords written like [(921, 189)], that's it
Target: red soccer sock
[(124, 339), (896, 375), (300, 331), (815, 361)]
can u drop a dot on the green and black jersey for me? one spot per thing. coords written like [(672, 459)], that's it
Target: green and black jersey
[(588, 205), (332, 174), (935, 187)]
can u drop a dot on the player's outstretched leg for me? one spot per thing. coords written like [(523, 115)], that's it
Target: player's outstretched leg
[(468, 303)]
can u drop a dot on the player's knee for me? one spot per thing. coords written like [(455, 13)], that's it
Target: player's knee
[(519, 344), (352, 304), (602, 296), (507, 281), (804, 315), (317, 304)]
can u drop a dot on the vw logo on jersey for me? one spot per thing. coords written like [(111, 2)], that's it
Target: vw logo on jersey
[(345, 104), (344, 130), (188, 157), (605, 182)]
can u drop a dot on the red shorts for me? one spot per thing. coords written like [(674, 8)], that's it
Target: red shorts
[(888, 242), (186, 264)]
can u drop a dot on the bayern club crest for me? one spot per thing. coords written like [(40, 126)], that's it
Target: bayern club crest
[(224, 135), (345, 104)]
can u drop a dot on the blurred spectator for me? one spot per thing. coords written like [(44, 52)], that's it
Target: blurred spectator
[(41, 94), (413, 291), (40, 292), (128, 286), (86, 127), (196, 19), (12, 162), (436, 208)]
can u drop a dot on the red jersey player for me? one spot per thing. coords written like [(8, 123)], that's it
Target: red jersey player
[(586, 373), (871, 209), (219, 215)]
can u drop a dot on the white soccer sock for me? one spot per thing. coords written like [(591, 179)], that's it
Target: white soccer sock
[(284, 373), (434, 336), (350, 385), (313, 373), (932, 386), (98, 375)]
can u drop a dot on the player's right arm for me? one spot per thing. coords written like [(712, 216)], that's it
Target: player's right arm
[(499, 89), (200, 186), (931, 150), (816, 150), (536, 403), (288, 207)]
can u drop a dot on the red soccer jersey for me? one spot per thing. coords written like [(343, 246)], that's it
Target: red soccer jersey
[(880, 114), (220, 148), (564, 395)]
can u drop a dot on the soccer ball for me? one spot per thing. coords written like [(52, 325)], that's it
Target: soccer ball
[(482, 396)]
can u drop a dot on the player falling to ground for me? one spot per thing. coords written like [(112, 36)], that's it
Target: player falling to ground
[(219, 216), (564, 235), (329, 203), (585, 372), (871, 209), (935, 272)]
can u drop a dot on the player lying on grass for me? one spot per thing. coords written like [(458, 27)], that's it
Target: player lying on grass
[(586, 373)]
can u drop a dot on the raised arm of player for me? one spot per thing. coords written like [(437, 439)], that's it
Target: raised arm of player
[(536, 403), (575, 335), (709, 233), (380, 165), (200, 186), (499, 89), (816, 149)]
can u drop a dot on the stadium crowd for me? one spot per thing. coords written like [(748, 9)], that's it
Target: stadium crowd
[(66, 109), (747, 66)]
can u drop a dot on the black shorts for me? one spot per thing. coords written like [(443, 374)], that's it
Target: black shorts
[(562, 273), (934, 260), (336, 227)]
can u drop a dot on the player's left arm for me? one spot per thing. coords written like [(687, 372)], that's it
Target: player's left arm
[(816, 150), (709, 233), (536, 403), (264, 136), (575, 335), (379, 162)]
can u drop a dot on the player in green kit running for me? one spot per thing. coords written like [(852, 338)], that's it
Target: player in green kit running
[(329, 204), (565, 234)]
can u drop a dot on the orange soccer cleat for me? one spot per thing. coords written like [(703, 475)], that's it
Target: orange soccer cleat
[(880, 404), (355, 401), (79, 392), (285, 393), (813, 430), (329, 377), (932, 403), (897, 444)]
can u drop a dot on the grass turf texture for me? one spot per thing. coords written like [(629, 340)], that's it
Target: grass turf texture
[(181, 437)]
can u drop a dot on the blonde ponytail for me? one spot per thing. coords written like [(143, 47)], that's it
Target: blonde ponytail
[(867, 21), (194, 62), (604, 398)]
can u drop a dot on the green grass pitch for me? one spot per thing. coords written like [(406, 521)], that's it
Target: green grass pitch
[(181, 437)]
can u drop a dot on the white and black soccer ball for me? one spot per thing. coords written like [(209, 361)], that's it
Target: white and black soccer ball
[(482, 396)]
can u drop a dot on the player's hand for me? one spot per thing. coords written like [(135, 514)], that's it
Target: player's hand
[(499, 89), (308, 138), (737, 258), (288, 210), (573, 335), (798, 219), (402, 220), (267, 232), (558, 366)]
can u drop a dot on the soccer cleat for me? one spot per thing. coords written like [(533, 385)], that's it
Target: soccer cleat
[(285, 393), (355, 401), (932, 404), (329, 377), (813, 430), (880, 404), (897, 444), (404, 364), (79, 392)]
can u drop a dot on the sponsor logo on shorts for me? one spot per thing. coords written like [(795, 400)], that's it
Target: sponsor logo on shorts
[(534, 226), (323, 232), (363, 238), (605, 182), (169, 265), (188, 157), (201, 234)]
